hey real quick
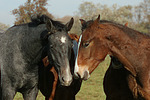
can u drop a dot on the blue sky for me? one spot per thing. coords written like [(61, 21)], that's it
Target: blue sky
[(58, 8)]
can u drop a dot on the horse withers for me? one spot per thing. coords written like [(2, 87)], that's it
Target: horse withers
[(21, 52), (130, 47)]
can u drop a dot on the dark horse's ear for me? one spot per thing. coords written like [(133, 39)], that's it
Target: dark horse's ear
[(50, 26), (82, 21), (69, 24)]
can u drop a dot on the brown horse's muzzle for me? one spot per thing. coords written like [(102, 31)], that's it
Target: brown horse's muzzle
[(81, 72)]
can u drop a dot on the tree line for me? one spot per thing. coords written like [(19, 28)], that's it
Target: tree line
[(137, 17)]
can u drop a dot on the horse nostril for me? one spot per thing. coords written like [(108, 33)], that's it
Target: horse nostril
[(86, 75), (63, 79), (66, 82)]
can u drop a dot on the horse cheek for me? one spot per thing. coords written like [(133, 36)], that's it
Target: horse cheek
[(102, 53)]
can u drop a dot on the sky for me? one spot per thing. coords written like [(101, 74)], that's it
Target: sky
[(58, 8)]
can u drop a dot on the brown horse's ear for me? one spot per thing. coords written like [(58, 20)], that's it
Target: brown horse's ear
[(126, 24), (50, 26), (82, 21), (98, 19), (69, 24)]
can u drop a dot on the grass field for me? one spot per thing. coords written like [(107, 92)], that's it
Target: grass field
[(91, 89)]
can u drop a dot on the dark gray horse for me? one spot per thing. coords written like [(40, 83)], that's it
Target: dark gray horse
[(21, 49)]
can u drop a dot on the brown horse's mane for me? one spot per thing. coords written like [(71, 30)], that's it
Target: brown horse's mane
[(131, 32)]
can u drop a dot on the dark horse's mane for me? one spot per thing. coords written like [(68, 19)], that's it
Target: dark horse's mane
[(131, 32), (35, 21), (42, 20)]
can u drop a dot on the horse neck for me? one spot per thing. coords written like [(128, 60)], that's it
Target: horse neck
[(32, 45), (127, 48)]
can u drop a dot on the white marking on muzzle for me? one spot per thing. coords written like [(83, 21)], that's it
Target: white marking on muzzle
[(76, 65), (68, 74)]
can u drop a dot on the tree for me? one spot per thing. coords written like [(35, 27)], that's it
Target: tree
[(124, 14), (138, 16), (87, 10), (146, 9), (76, 28), (3, 27), (31, 8), (64, 19), (142, 16)]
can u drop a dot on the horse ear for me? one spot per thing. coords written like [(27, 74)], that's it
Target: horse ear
[(98, 19), (69, 24), (126, 24), (50, 26), (82, 21)]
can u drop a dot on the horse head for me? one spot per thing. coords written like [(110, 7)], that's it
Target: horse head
[(91, 49), (60, 45)]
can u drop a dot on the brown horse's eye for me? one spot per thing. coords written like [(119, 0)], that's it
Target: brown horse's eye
[(86, 44)]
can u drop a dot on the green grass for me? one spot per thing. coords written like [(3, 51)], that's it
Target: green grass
[(19, 96), (92, 89)]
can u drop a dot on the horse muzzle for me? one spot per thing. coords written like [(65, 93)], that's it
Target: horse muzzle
[(66, 81), (84, 75)]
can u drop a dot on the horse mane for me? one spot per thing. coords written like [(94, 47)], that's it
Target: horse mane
[(38, 20), (43, 20), (131, 32)]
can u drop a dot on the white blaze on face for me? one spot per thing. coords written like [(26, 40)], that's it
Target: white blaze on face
[(76, 65), (63, 39)]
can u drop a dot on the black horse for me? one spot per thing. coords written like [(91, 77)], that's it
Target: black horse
[(50, 86), (116, 85), (21, 49)]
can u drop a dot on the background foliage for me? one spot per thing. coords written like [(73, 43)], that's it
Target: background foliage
[(137, 17), (30, 9)]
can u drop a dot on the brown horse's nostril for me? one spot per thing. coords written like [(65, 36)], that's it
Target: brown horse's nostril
[(86, 75)]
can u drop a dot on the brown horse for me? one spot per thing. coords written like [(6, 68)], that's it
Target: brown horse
[(130, 47), (50, 85)]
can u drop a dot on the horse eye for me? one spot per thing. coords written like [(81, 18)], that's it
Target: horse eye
[(51, 46), (86, 44)]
